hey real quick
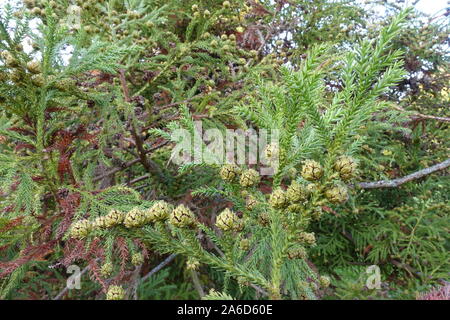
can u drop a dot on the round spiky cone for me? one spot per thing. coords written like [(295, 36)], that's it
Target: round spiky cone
[(64, 84), (297, 252), (159, 211), (34, 67), (271, 151), (38, 80), (229, 172), (324, 281), (10, 61), (346, 167), (134, 218), (264, 219), (99, 223), (296, 193), (3, 76), (307, 238), (115, 293), (244, 244), (295, 207), (182, 217), (249, 178), (192, 264), (250, 203), (227, 220), (311, 188), (16, 76), (106, 269), (114, 218), (137, 259), (80, 229), (278, 199), (311, 170), (337, 194)]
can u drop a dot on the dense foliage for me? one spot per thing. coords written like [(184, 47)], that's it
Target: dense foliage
[(94, 94)]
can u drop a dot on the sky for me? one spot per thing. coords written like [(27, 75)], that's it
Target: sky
[(431, 6), (427, 6)]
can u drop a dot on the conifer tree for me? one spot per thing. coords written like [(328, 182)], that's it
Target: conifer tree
[(93, 93)]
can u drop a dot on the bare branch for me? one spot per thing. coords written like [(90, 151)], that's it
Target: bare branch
[(197, 284), (138, 179), (159, 267), (148, 164), (129, 163), (413, 176), (419, 116), (259, 289)]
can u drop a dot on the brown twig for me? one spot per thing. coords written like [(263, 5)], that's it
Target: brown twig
[(149, 165), (128, 164), (413, 176), (135, 283), (157, 109), (197, 284), (407, 267), (259, 289), (138, 179), (174, 104), (159, 267), (419, 116)]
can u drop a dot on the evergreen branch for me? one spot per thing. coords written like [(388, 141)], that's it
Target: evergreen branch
[(194, 249)]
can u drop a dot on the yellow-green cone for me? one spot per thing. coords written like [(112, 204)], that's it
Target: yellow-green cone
[(159, 211), (297, 252), (307, 238), (311, 170), (134, 218), (115, 293), (34, 67), (137, 259), (346, 167), (250, 203), (99, 223), (271, 151), (337, 194), (192, 264), (106, 269), (227, 220), (277, 199), (296, 193), (249, 178), (324, 281), (229, 172), (80, 229), (114, 218), (182, 217)]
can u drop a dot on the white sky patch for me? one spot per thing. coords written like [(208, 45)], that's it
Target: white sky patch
[(431, 6)]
